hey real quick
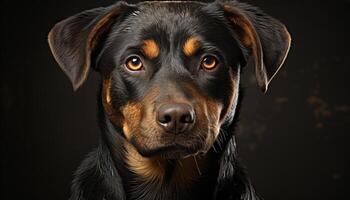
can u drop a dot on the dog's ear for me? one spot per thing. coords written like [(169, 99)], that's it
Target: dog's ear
[(266, 39), (73, 40)]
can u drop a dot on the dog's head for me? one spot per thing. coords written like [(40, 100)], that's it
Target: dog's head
[(170, 70)]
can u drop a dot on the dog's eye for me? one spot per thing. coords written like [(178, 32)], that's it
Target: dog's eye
[(209, 62), (134, 63)]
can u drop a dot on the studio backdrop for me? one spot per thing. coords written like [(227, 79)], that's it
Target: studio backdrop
[(293, 140)]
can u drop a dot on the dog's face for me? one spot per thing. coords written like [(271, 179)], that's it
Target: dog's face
[(170, 70), (172, 73)]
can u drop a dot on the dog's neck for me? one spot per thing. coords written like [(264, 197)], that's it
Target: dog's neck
[(150, 176)]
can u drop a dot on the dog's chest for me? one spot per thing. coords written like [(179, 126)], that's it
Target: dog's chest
[(174, 186)]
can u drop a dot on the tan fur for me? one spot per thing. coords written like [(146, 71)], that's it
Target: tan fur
[(246, 35), (132, 117), (191, 46), (150, 48), (113, 114), (149, 169)]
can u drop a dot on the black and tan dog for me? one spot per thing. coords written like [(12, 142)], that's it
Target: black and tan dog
[(170, 75)]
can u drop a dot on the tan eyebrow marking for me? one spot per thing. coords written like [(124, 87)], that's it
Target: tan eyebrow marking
[(150, 48), (191, 46)]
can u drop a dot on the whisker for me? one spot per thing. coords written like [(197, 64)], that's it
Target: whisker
[(195, 160)]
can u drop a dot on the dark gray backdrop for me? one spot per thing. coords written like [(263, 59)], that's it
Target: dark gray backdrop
[(294, 140)]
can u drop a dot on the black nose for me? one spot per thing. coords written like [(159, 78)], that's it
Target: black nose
[(176, 117)]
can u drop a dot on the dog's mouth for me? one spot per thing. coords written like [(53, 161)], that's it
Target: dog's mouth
[(177, 148), (171, 151)]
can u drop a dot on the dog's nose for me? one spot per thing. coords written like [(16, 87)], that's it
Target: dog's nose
[(176, 117)]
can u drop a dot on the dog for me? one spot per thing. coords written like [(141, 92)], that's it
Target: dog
[(169, 94)]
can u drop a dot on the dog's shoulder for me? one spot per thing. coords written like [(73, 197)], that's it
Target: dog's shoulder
[(97, 178)]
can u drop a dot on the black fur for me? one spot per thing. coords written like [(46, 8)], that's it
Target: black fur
[(104, 175)]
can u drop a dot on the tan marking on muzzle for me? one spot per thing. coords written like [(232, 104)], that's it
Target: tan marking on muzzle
[(132, 118)]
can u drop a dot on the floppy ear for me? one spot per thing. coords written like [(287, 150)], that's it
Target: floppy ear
[(73, 40), (266, 39)]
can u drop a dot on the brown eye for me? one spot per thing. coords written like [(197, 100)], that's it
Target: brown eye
[(134, 63), (209, 62)]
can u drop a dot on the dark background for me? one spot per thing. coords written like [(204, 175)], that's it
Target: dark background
[(294, 140)]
